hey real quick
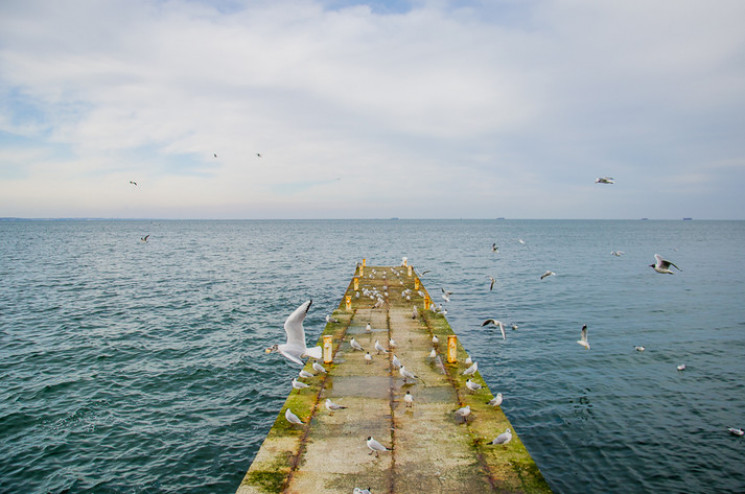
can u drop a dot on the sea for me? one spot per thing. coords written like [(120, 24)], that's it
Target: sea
[(131, 366)]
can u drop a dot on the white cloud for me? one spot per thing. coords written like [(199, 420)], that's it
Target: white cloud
[(435, 110)]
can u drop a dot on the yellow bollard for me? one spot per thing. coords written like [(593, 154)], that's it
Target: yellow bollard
[(349, 302), (416, 283), (410, 269), (328, 356), (364, 262), (427, 302), (452, 349), (356, 283)]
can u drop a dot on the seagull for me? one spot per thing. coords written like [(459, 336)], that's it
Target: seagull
[(583, 338), (446, 295), (292, 418), (433, 353), (305, 374), (491, 285), (375, 446), (214, 155), (406, 374), (617, 253), (468, 360), (408, 399), (681, 367), (604, 180), (368, 328), (258, 155), (355, 345), (471, 370), (503, 438), (473, 386), (494, 248), (357, 490), (294, 349), (379, 347), (414, 313), (736, 432), (547, 274), (297, 384), (329, 318), (663, 265), (496, 401), (639, 348), (391, 343), (496, 323), (521, 241), (319, 368), (396, 363), (368, 358), (463, 413), (514, 326), (133, 183), (435, 340), (331, 406), (144, 239)]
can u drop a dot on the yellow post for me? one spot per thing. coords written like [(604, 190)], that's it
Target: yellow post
[(409, 269), (356, 283), (349, 302), (364, 262), (328, 356), (361, 269), (416, 283), (452, 349), (427, 302)]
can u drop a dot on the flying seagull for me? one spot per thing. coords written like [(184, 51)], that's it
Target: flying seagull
[(294, 349), (133, 183), (496, 323), (258, 155), (583, 338), (604, 180), (503, 438), (547, 274), (446, 295), (144, 239), (663, 265), (492, 280), (494, 248)]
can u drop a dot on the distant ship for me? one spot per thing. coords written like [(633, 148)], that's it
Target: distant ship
[(687, 219), (645, 219)]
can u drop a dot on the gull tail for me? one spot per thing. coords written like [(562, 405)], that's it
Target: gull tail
[(315, 352)]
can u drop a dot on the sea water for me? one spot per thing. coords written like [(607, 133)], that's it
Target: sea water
[(133, 366)]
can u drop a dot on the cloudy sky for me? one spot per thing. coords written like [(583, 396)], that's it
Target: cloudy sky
[(372, 109)]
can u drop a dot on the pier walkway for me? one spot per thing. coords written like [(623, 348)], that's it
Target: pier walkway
[(433, 449)]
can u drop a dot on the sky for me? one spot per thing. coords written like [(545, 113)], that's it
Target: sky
[(231, 109)]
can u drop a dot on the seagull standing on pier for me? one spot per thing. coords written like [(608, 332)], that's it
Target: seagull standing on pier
[(292, 418), (463, 413), (332, 407), (496, 401), (471, 370), (406, 374), (297, 384), (294, 349), (408, 399), (319, 368), (503, 438), (379, 348), (473, 386), (375, 446), (356, 346)]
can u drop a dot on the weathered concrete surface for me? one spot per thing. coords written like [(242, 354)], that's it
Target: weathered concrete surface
[(433, 451)]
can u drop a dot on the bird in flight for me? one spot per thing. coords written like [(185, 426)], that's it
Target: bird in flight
[(663, 265), (496, 323), (294, 349), (547, 274), (583, 338), (604, 180), (258, 155), (133, 183), (492, 281), (144, 239)]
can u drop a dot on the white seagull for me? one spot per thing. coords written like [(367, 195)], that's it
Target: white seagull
[(368, 358), (408, 399), (736, 432), (583, 338), (379, 348), (503, 438), (331, 406), (406, 374), (617, 253), (355, 345), (496, 323), (357, 490), (319, 368), (471, 370), (492, 280), (681, 367), (305, 374), (663, 265), (395, 362), (375, 446), (292, 418), (604, 180), (463, 413), (547, 274), (297, 384), (496, 401), (446, 295), (294, 349), (473, 386)]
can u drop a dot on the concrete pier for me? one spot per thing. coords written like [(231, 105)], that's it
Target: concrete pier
[(432, 449)]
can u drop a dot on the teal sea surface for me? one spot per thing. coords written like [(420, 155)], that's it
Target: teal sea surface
[(135, 367)]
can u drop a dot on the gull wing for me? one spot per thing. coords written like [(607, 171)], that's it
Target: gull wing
[(501, 328), (294, 326), (584, 333)]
